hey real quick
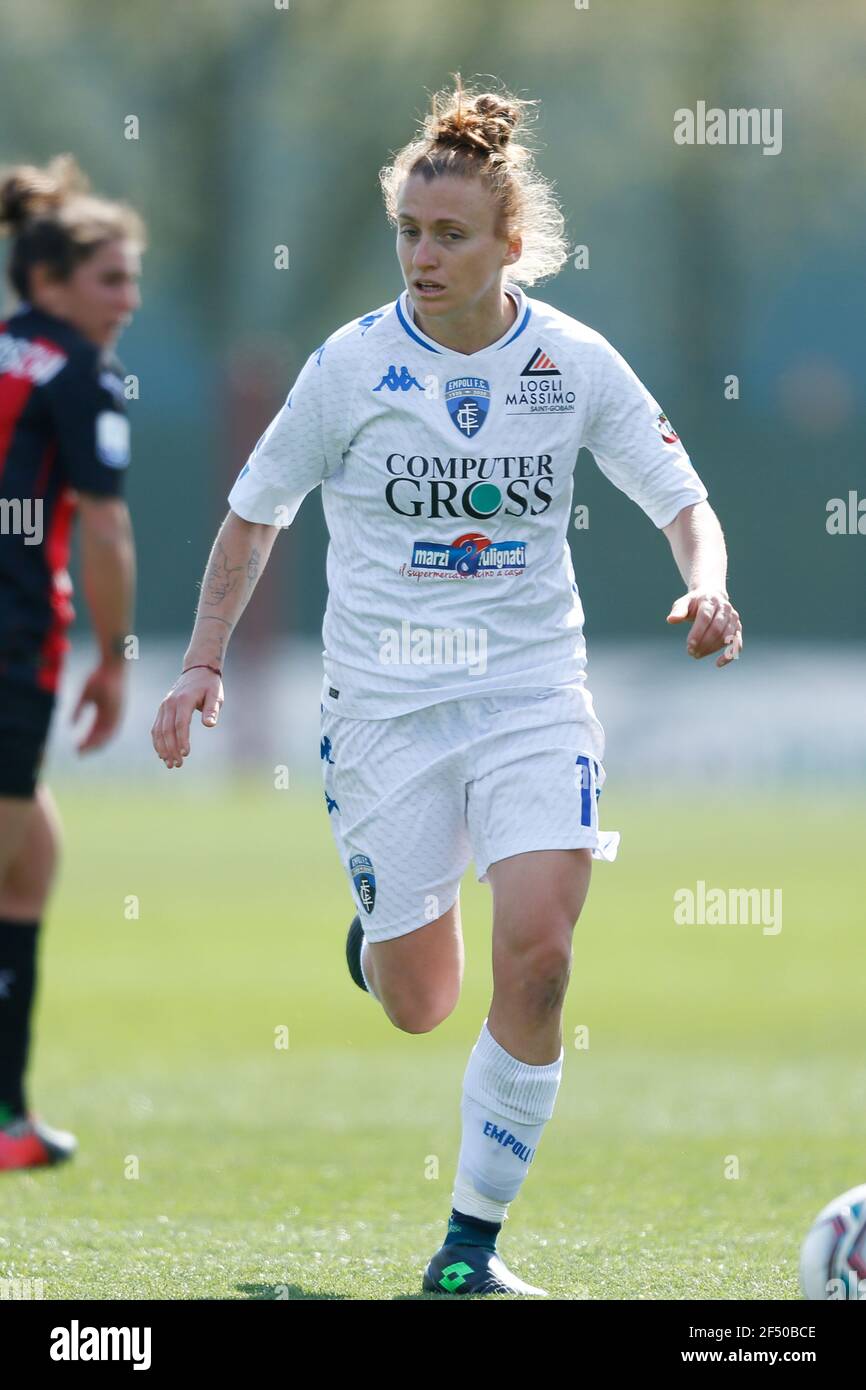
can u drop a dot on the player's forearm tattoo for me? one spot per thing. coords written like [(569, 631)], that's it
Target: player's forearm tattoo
[(253, 566), (221, 578), (222, 637)]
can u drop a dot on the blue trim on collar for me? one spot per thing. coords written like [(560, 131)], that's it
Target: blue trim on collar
[(517, 332), (410, 330), (439, 351)]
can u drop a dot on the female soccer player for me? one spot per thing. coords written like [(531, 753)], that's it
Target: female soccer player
[(455, 716), (64, 446)]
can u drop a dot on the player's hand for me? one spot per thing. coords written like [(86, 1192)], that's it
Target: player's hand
[(103, 688), (195, 689), (715, 624)]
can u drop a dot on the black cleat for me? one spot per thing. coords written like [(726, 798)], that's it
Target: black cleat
[(466, 1269), (354, 942)]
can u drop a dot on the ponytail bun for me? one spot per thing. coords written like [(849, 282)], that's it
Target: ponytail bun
[(28, 192), (483, 124)]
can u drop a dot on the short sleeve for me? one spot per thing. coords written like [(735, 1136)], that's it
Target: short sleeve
[(634, 443), (304, 443), (91, 426)]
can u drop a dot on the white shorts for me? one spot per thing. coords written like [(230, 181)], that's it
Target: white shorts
[(413, 798)]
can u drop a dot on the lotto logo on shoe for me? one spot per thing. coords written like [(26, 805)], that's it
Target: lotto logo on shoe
[(509, 1141), (361, 869)]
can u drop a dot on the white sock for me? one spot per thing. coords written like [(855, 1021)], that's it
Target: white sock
[(469, 1201), (506, 1104), (364, 975)]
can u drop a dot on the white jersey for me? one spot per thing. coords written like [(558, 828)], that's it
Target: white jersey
[(449, 573)]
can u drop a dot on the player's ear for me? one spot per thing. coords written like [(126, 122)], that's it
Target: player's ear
[(515, 250), (40, 279)]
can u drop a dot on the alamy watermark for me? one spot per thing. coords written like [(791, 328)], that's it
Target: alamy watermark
[(740, 125), (713, 907), (22, 516), (846, 517), (21, 1289), (77, 1343), (438, 646)]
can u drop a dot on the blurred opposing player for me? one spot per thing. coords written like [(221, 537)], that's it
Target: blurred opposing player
[(443, 428), (73, 264)]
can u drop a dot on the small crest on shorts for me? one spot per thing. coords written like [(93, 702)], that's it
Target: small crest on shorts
[(361, 869)]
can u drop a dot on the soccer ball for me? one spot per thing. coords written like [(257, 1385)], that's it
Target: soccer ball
[(833, 1255)]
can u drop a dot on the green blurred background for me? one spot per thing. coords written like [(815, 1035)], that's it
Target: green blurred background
[(262, 126)]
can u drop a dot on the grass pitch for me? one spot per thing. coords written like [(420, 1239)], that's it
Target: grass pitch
[(720, 1102)]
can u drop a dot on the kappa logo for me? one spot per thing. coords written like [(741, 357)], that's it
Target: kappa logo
[(398, 381), (468, 401), (361, 869), (541, 391), (367, 322)]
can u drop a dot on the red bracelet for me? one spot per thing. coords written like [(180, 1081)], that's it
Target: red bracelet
[(201, 666)]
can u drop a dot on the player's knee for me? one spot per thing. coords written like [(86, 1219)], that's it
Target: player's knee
[(420, 1012), (25, 893), (536, 972), (28, 879), (548, 973), (51, 826)]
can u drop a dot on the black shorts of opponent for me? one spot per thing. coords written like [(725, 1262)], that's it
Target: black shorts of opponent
[(25, 717)]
